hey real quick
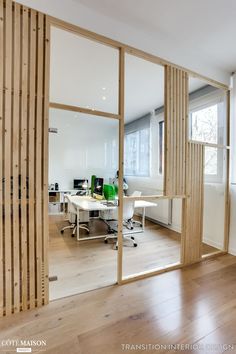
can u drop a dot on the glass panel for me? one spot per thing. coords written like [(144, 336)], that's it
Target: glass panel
[(144, 126), (83, 72), (84, 146), (155, 226), (207, 106), (214, 199), (137, 153)]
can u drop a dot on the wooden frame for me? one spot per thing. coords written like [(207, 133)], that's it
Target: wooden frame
[(179, 104), (24, 93), (176, 85)]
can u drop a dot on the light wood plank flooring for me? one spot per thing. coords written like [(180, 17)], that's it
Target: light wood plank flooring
[(92, 264), (193, 305)]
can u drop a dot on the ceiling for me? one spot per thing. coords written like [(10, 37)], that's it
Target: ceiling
[(85, 73), (204, 28)]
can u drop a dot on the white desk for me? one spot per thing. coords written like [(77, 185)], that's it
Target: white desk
[(91, 204), (87, 203), (143, 204)]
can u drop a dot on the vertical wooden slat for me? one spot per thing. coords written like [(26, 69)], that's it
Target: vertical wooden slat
[(167, 131), (192, 230), (176, 101), (7, 157), (45, 159), (31, 156), (227, 189), (178, 128), (15, 154), (121, 162), (174, 142), (24, 158), (38, 150), (185, 124), (1, 157)]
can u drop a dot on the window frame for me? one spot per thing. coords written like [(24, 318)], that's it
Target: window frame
[(202, 103), (161, 144)]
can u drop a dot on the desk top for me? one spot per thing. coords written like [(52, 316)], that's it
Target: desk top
[(144, 204), (90, 204)]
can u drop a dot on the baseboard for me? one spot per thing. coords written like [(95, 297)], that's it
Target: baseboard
[(232, 251), (212, 243), (173, 227)]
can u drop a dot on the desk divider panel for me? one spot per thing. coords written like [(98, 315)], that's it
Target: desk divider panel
[(24, 71)]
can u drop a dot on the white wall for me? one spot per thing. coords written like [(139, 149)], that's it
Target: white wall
[(213, 215), (84, 145)]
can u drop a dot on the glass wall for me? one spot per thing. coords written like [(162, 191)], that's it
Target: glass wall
[(83, 163), (81, 146), (84, 73), (144, 126), (151, 227)]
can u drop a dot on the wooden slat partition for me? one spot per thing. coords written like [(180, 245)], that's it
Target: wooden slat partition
[(24, 106), (193, 205), (1, 157), (176, 122)]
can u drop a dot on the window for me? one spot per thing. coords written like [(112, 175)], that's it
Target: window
[(207, 125), (137, 153), (161, 147), (204, 124)]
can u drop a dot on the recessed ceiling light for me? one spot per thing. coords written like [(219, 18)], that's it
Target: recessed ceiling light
[(104, 88), (104, 98)]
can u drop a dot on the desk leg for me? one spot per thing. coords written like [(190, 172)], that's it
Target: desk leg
[(143, 219), (77, 224)]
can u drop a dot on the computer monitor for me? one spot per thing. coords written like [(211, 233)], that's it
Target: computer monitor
[(80, 184), (98, 188)]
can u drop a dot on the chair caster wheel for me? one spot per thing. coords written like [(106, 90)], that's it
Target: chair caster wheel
[(105, 241), (141, 225), (62, 232), (135, 244), (116, 247), (132, 237), (72, 235)]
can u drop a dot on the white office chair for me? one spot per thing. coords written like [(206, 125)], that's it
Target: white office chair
[(136, 222), (128, 212), (72, 210)]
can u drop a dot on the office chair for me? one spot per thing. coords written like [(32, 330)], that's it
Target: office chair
[(136, 222), (128, 212), (72, 210)]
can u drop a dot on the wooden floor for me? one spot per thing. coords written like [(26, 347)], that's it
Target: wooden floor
[(92, 264), (195, 305)]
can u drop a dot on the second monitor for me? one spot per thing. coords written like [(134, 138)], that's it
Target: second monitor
[(98, 188)]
